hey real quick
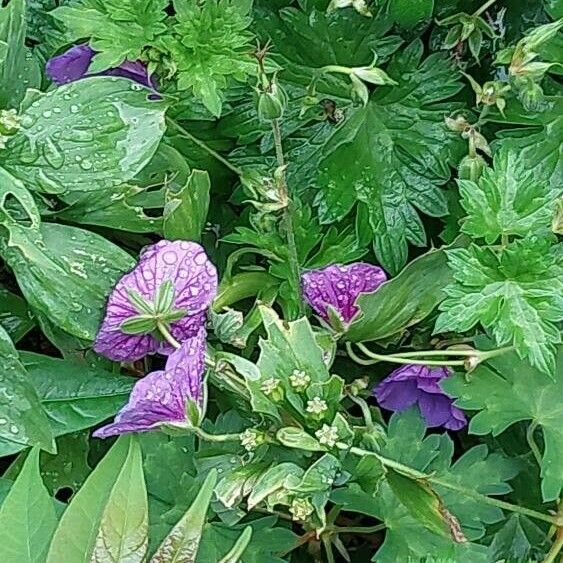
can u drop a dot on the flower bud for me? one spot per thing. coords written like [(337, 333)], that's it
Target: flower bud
[(531, 96), (360, 92), (301, 508), (471, 168), (373, 75), (271, 388), (251, 439), (457, 123), (269, 106), (557, 222), (9, 122)]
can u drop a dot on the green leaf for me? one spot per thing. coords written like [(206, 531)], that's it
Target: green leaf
[(420, 500), (211, 46), (403, 301), (27, 516), (409, 13), (293, 437), (119, 29), (392, 156), (15, 317), (75, 538), (115, 207), (17, 65), (277, 477), (183, 541), (507, 390), (509, 199), (516, 296), (65, 273), (185, 212), (23, 420), (530, 133), (122, 534), (88, 135), (237, 550)]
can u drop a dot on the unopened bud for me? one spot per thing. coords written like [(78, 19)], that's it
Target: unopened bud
[(531, 96), (457, 123), (9, 122), (251, 439), (358, 385), (271, 388), (360, 92), (373, 75), (269, 106), (471, 168)]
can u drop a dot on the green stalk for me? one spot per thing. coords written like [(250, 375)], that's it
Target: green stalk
[(483, 8), (202, 145), (555, 548), (288, 213), (532, 441), (405, 360)]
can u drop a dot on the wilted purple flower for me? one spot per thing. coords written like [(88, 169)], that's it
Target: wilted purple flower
[(339, 287), (74, 64), (414, 384), (184, 269), (161, 396)]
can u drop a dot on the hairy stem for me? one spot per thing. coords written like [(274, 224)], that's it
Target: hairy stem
[(365, 411), (406, 360), (483, 8), (167, 335), (358, 529), (555, 548), (532, 441), (288, 213), (415, 474), (215, 437), (202, 145)]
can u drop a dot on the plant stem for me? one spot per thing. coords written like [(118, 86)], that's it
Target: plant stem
[(504, 240), (483, 355), (415, 474), (288, 216), (215, 437), (202, 145), (168, 336), (532, 442), (555, 548), (483, 8), (365, 411), (406, 360), (358, 529)]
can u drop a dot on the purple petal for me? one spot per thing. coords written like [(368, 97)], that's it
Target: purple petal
[(74, 64), (457, 420), (161, 396), (194, 279), (340, 286), (397, 395), (435, 409), (71, 65)]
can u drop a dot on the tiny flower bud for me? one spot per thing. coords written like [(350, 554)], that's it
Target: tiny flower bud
[(271, 388), (301, 509), (299, 380), (373, 75), (251, 439), (317, 406), (471, 168), (358, 385), (9, 122), (531, 96), (360, 92), (327, 435), (457, 123), (269, 106)]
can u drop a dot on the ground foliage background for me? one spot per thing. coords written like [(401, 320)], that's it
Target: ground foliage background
[(420, 135)]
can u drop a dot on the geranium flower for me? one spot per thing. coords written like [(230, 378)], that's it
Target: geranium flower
[(339, 286), (162, 396), (170, 289), (414, 384), (74, 64)]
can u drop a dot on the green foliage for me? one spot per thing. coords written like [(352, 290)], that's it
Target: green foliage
[(27, 516), (515, 295), (506, 391), (211, 46), (509, 199)]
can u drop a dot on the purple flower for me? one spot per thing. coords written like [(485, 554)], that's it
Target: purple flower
[(180, 266), (161, 396), (413, 384), (339, 287), (74, 64)]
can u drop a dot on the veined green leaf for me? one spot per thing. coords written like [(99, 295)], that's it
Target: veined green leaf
[(76, 537), (122, 534), (183, 541), (403, 301), (185, 211), (73, 394), (65, 273), (15, 316), (87, 135), (27, 516), (23, 421)]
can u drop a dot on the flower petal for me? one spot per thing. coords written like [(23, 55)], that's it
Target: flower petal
[(340, 286), (161, 396), (397, 395), (435, 409), (194, 279), (71, 65)]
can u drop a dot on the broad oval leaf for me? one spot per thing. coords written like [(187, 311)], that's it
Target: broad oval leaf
[(23, 421), (87, 135), (27, 516), (275, 478), (96, 520), (65, 272), (182, 542), (402, 301)]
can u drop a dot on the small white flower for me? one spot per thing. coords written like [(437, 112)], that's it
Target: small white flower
[(299, 379), (269, 385), (249, 439), (317, 406), (301, 508), (327, 435)]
